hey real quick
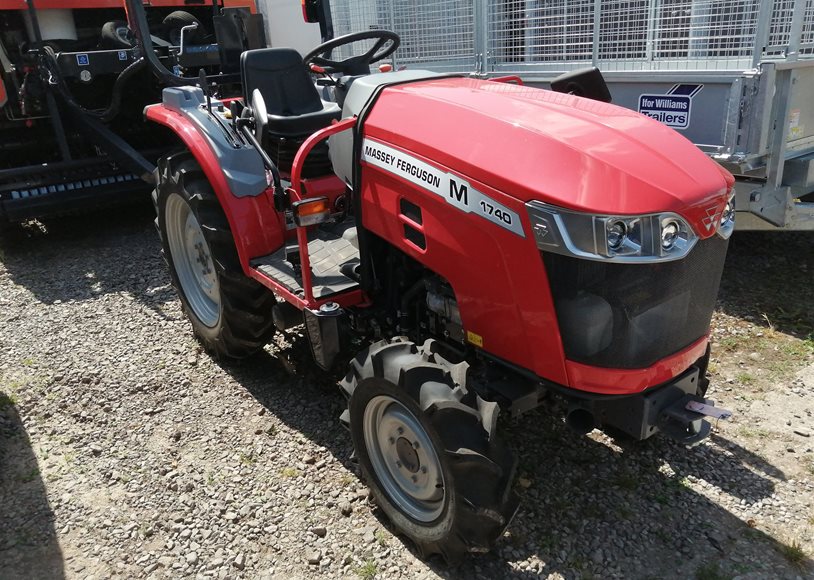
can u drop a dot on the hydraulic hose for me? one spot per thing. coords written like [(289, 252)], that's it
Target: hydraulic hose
[(114, 108)]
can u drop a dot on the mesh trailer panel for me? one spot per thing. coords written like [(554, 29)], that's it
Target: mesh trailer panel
[(624, 34), (616, 35), (440, 34)]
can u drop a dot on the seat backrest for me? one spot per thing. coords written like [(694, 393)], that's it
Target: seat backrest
[(283, 80)]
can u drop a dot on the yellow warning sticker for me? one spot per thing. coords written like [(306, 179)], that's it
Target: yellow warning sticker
[(475, 339)]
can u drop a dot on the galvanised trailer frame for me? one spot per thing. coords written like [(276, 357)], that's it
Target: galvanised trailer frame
[(736, 77)]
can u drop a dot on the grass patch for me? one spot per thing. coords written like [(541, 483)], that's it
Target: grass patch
[(745, 378), (662, 498), (381, 537), (289, 472), (368, 570), (30, 475), (247, 459), (711, 571), (626, 481), (591, 511), (7, 400), (747, 431), (794, 553)]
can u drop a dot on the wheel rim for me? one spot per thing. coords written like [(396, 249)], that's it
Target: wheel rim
[(403, 457), (192, 259)]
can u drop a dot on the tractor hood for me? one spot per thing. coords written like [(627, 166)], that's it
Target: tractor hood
[(535, 144)]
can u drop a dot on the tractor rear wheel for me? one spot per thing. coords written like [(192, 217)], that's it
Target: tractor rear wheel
[(230, 313), (116, 34), (427, 447), (175, 21)]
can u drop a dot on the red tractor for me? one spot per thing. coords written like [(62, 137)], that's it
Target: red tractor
[(476, 243)]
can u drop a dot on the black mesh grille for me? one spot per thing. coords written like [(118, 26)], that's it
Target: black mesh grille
[(632, 315)]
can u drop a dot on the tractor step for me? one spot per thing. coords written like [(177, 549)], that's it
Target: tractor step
[(333, 258)]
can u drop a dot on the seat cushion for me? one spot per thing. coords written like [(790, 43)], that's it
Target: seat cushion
[(292, 101), (303, 124)]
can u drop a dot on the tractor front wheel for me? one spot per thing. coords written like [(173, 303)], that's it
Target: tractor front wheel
[(427, 447), (230, 313)]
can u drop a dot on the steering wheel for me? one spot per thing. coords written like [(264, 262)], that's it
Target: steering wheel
[(355, 65)]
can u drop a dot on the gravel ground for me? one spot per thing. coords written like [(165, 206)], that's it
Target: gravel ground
[(126, 452)]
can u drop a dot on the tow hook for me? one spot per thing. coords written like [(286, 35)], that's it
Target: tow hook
[(684, 420)]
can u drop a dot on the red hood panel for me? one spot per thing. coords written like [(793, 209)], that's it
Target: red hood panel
[(535, 144)]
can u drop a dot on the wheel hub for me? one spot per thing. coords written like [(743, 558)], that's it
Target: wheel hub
[(403, 457), (407, 455), (192, 260)]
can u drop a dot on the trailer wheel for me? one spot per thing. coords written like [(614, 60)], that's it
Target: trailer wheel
[(427, 448), (117, 34), (175, 21), (230, 313)]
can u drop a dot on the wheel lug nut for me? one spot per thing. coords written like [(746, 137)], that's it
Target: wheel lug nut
[(400, 430), (423, 469), (392, 440), (398, 464), (415, 444), (414, 478)]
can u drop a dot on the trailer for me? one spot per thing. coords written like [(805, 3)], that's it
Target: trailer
[(736, 77)]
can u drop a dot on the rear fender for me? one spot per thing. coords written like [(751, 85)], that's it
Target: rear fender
[(257, 228)]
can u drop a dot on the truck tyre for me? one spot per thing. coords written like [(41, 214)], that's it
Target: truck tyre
[(427, 448), (230, 313), (117, 34), (173, 24)]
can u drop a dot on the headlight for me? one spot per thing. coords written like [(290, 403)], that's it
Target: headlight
[(644, 238), (669, 234), (617, 234), (727, 225)]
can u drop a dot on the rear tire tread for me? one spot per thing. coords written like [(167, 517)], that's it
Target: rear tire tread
[(246, 324)]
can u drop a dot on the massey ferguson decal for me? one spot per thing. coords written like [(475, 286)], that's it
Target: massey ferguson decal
[(674, 108), (453, 189), (712, 218)]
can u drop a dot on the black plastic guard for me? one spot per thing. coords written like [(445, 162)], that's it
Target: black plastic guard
[(324, 334)]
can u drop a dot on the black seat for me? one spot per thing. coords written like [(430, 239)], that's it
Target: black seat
[(292, 101)]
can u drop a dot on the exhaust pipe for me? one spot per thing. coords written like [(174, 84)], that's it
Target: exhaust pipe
[(580, 420)]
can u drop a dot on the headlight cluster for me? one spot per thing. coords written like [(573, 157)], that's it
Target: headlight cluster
[(643, 238)]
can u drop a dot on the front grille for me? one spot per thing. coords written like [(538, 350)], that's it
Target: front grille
[(618, 315)]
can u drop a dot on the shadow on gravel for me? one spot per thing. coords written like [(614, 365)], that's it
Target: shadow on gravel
[(79, 258), (28, 542), (768, 280), (589, 510)]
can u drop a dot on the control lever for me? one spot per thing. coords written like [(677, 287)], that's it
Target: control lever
[(327, 80), (244, 124), (184, 32), (204, 84)]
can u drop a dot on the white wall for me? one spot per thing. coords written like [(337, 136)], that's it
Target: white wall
[(285, 26)]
